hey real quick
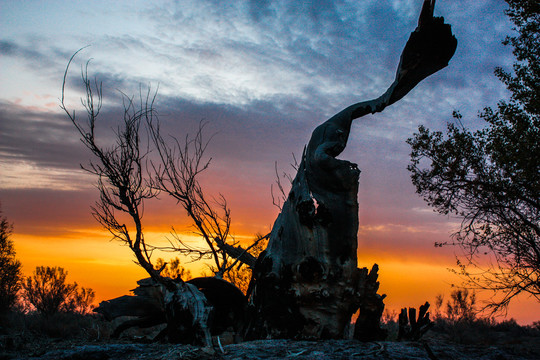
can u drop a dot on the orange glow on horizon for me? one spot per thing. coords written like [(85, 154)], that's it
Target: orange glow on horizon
[(92, 260)]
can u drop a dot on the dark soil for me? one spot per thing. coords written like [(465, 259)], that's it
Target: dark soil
[(70, 337), (267, 349)]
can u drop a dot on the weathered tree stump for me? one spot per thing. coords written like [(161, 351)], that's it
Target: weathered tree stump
[(307, 281), (307, 284)]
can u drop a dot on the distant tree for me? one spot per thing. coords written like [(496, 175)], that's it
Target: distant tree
[(490, 178), (173, 269), (437, 307), (47, 291), (461, 306), (82, 301), (10, 267)]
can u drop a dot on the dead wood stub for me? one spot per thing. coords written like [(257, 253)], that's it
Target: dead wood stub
[(371, 305), (412, 327)]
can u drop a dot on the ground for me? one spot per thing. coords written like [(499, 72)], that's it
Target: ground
[(76, 337), (429, 349)]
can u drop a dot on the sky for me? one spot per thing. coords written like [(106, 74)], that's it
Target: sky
[(262, 74)]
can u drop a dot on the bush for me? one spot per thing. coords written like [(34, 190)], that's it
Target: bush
[(47, 291), (173, 269), (461, 306), (67, 326)]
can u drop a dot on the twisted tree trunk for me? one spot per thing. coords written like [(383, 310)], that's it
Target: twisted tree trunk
[(307, 284)]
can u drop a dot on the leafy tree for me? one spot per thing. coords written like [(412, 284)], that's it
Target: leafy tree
[(490, 178), (47, 291), (10, 268)]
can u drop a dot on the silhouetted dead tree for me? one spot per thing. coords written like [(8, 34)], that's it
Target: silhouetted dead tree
[(177, 174), (125, 182), (307, 284), (124, 185)]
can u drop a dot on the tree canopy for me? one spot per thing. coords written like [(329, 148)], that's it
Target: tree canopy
[(490, 178)]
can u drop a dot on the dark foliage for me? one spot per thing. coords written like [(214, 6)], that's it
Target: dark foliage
[(47, 291), (462, 306), (10, 267), (173, 269), (485, 331), (490, 178)]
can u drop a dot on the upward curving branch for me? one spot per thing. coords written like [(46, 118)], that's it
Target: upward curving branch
[(122, 181)]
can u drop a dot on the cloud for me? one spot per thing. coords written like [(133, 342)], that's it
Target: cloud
[(26, 53), (329, 52), (260, 9), (36, 135), (264, 74)]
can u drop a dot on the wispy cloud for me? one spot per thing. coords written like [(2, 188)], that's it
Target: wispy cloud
[(263, 73)]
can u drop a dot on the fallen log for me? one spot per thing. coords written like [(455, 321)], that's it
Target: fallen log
[(152, 304)]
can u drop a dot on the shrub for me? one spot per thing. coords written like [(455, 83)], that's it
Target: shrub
[(47, 291), (173, 269), (461, 307)]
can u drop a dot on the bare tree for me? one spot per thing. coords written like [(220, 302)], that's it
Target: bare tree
[(122, 182), (177, 174), (127, 178), (124, 185)]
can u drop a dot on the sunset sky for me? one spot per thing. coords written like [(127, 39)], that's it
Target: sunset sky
[(263, 74)]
